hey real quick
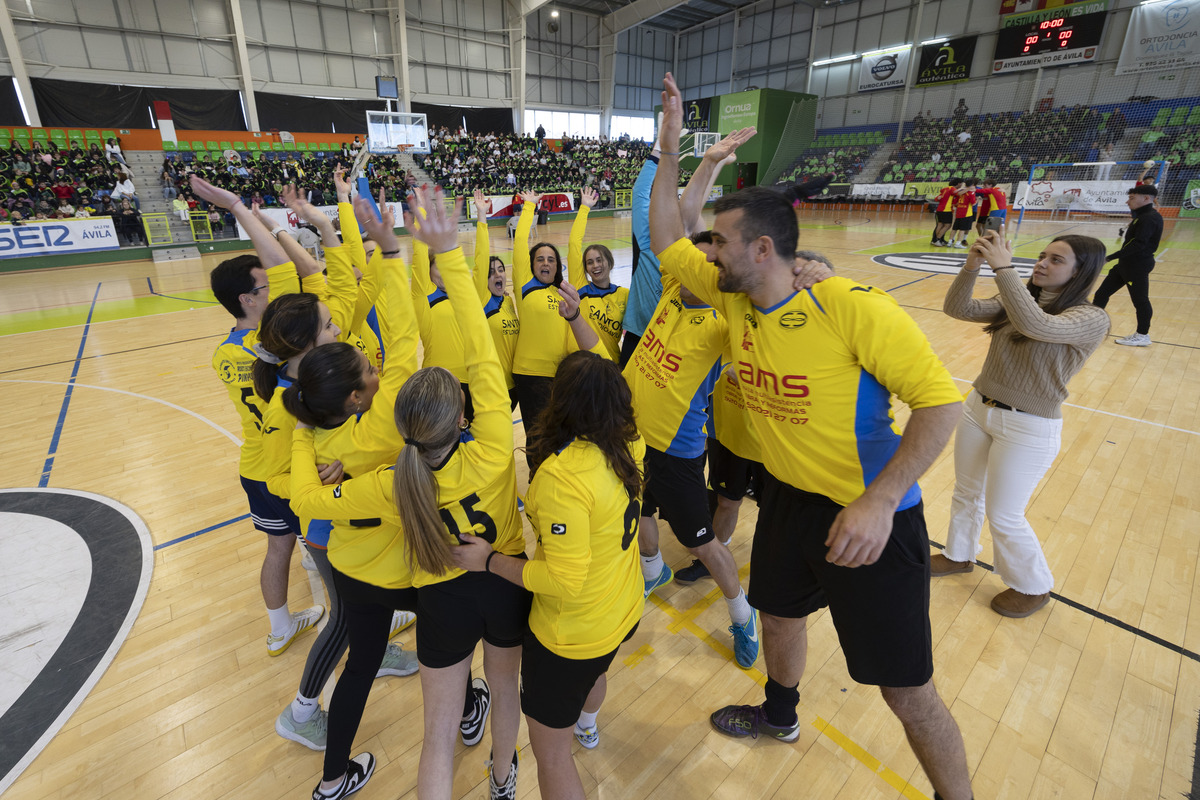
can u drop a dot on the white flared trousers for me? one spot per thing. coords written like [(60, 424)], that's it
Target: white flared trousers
[(999, 457)]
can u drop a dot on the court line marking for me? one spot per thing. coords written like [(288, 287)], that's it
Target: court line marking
[(173, 297), (48, 465), (117, 352), (236, 441), (194, 534), (1112, 414)]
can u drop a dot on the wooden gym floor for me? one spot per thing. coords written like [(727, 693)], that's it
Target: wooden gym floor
[(104, 372)]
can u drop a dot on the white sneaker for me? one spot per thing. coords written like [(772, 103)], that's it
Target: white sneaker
[(962, 245), (588, 737), (397, 662), (400, 621), (311, 733), (301, 621), (308, 563), (1136, 340)]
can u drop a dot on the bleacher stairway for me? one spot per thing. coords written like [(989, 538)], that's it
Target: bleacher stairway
[(145, 166), (873, 166)]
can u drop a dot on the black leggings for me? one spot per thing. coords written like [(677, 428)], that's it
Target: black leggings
[(1138, 281), (368, 613), (533, 393), (330, 644)]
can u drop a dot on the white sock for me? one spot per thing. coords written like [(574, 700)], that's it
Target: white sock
[(739, 609), (586, 720), (303, 708), (652, 566), (281, 620)]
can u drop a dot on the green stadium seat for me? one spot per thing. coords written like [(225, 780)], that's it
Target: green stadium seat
[(211, 145), (58, 133), (324, 146), (1161, 118), (40, 134), (252, 146), (289, 146), (20, 133), (168, 146), (277, 146), (239, 146), (1194, 117), (1179, 117), (215, 154), (226, 146), (76, 135), (5, 143), (198, 146), (106, 135), (183, 146)]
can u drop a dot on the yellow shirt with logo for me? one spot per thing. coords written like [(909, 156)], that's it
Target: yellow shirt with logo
[(545, 338), (500, 312), (603, 308), (586, 574), (818, 371)]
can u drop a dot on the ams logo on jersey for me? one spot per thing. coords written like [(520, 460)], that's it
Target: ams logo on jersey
[(659, 352), (770, 383)]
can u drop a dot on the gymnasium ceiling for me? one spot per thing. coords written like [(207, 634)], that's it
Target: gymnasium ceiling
[(675, 16)]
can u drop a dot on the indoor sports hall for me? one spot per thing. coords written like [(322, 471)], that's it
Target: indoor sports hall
[(131, 618)]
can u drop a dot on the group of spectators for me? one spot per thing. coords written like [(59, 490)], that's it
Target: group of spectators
[(1001, 145), (44, 181), (843, 163)]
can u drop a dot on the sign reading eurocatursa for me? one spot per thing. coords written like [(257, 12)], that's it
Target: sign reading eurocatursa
[(948, 62), (887, 69)]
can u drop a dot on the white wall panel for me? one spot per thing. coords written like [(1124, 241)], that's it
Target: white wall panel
[(215, 57)]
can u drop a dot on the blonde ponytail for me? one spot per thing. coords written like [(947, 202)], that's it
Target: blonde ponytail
[(428, 410)]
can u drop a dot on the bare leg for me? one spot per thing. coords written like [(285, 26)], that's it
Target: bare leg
[(273, 579), (721, 565), (595, 697), (725, 518), (785, 647), (442, 691), (934, 736), (648, 536), (558, 779), (502, 666)]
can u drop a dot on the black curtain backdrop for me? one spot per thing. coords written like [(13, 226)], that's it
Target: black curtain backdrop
[(313, 114), (10, 106), (99, 105), (479, 120)]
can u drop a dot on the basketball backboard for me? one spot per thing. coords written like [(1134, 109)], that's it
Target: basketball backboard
[(390, 132)]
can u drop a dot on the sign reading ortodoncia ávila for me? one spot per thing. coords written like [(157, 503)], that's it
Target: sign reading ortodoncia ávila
[(948, 62), (884, 69)]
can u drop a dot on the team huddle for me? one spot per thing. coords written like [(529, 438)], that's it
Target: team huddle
[(376, 399)]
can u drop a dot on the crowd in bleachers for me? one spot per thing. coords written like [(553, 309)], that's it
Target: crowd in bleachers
[(47, 178), (1000, 146), (842, 162)]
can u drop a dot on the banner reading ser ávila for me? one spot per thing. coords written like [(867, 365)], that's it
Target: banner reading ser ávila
[(884, 69), (1161, 36), (948, 62), (41, 238)]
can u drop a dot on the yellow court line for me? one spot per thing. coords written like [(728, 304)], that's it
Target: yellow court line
[(685, 620)]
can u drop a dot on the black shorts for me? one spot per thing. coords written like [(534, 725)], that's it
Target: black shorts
[(676, 490), (352, 590), (945, 217), (964, 223), (553, 687), (272, 515), (729, 475), (454, 615), (880, 611)]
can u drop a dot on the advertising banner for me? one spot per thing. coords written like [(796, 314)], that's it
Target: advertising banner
[(57, 236), (948, 62), (738, 110), (696, 115), (1053, 37), (923, 188), (1022, 6), (1162, 36), (1109, 196), (884, 70), (877, 189), (1191, 203)]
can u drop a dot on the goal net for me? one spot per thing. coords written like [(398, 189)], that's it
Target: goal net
[(1088, 187)]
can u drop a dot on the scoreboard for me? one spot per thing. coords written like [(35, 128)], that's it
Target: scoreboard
[(1029, 41)]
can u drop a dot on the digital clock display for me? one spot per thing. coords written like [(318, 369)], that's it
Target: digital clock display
[(1045, 36)]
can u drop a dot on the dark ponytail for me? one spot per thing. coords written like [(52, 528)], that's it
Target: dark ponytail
[(289, 327), (327, 376)]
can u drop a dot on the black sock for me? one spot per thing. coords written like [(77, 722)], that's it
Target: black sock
[(781, 703)]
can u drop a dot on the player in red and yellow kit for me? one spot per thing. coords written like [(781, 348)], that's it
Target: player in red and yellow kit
[(964, 214), (840, 522), (944, 211)]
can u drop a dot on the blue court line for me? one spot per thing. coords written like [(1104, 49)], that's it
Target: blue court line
[(910, 283), (173, 297), (62, 412), (209, 529)]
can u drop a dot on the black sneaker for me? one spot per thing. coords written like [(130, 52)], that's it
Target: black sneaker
[(741, 721), (689, 575), (471, 726), (358, 772)]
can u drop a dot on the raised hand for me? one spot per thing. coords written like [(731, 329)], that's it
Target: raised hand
[(213, 194), (292, 198), (724, 152), (589, 196), (483, 206), (568, 303), (380, 228), (340, 183), (530, 196), (439, 228), (672, 119)]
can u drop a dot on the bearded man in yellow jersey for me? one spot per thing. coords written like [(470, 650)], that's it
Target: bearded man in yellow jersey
[(840, 522)]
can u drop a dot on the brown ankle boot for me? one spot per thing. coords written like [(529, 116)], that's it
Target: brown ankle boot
[(1011, 603), (939, 565)]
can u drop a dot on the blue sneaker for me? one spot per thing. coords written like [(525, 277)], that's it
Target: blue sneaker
[(745, 641), (664, 577)]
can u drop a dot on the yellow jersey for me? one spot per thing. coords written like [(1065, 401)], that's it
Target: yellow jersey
[(818, 370), (545, 338), (586, 575), (604, 309), (234, 360), (672, 372), (440, 335), (731, 421), (501, 314)]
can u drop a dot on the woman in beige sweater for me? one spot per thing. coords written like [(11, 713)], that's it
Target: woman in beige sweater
[(1042, 333)]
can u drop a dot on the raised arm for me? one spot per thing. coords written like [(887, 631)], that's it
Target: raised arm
[(575, 272), (483, 246), (522, 270), (666, 225), (716, 158), (959, 303), (269, 251)]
